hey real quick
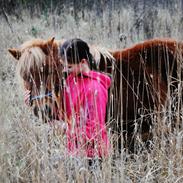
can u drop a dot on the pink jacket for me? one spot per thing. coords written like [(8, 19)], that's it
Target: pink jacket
[(85, 99)]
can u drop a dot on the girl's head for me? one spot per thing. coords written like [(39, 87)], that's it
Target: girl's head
[(76, 56)]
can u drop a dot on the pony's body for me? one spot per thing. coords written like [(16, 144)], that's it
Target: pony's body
[(143, 76)]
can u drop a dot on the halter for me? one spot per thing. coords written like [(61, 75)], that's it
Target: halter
[(49, 94)]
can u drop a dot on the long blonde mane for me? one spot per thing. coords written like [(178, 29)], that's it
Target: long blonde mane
[(31, 57)]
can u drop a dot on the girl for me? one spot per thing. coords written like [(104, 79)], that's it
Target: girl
[(85, 97)]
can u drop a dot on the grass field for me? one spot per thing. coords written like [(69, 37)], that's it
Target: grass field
[(31, 152)]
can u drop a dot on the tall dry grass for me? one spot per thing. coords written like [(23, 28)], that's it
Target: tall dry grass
[(31, 152)]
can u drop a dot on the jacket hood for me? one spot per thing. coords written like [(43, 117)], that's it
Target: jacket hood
[(104, 79)]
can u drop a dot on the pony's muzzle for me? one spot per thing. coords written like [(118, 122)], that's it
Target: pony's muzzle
[(46, 113)]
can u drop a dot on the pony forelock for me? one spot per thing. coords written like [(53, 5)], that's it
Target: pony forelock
[(31, 58)]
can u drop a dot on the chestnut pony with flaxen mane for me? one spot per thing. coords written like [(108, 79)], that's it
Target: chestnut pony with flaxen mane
[(40, 70), (144, 77)]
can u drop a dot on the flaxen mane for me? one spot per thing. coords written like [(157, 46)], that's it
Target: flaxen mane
[(101, 56), (31, 58)]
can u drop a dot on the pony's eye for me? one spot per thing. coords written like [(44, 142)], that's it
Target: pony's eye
[(27, 79), (24, 78)]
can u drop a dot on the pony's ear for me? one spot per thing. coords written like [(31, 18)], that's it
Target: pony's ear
[(15, 53), (47, 46), (50, 42)]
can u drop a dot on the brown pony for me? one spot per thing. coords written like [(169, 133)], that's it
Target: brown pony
[(146, 76), (143, 77), (41, 72)]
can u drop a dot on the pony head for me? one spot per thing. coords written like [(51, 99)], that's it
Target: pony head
[(40, 70)]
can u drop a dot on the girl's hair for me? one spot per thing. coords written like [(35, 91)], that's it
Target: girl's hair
[(74, 50)]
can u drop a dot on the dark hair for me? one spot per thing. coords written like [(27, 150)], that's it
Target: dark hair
[(74, 50)]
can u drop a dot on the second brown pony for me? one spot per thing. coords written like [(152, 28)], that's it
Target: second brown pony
[(146, 75)]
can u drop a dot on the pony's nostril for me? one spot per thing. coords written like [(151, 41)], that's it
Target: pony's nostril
[(36, 111), (48, 111)]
